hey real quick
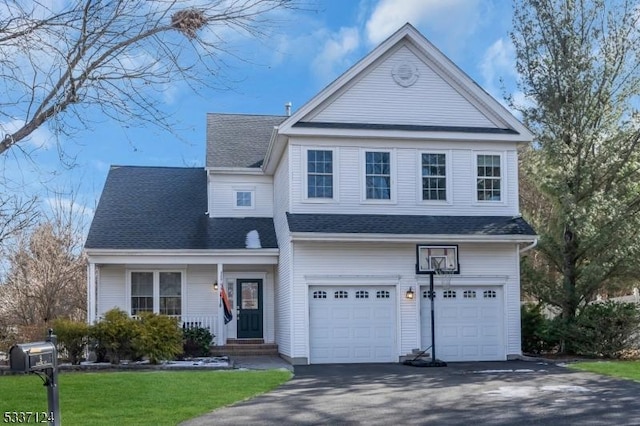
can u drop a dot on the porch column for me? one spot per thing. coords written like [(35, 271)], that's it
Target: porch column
[(91, 293), (221, 329)]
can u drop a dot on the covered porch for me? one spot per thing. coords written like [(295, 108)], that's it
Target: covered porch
[(188, 285)]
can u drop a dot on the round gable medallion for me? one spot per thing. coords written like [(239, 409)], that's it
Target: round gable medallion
[(405, 73)]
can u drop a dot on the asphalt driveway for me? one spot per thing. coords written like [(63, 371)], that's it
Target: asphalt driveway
[(486, 393)]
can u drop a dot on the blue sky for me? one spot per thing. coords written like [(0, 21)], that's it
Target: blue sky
[(305, 52)]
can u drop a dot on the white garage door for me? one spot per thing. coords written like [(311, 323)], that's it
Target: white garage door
[(469, 323), (352, 324)]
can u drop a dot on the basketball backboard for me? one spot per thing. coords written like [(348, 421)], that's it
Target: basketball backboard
[(437, 258)]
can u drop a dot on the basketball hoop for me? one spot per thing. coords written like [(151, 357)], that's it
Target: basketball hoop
[(444, 272), (444, 276)]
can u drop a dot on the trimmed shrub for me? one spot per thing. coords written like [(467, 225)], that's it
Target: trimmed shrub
[(158, 337), (73, 337), (196, 341), (114, 333), (603, 330), (538, 332)]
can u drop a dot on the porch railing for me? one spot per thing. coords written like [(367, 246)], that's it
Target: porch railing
[(204, 321), (188, 321)]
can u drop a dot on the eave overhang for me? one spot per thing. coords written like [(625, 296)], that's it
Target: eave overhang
[(197, 257)]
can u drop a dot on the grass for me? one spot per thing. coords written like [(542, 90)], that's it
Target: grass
[(623, 369), (137, 398)]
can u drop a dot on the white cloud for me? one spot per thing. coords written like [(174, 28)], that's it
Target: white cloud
[(335, 54), (455, 17), (498, 62)]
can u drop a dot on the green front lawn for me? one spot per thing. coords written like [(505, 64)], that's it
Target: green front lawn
[(624, 369), (137, 398)]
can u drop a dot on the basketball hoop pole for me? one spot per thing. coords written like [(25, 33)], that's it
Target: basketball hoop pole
[(432, 295)]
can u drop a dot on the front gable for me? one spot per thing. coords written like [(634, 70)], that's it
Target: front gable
[(404, 87)]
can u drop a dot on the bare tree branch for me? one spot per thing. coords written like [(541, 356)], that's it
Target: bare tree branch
[(113, 56)]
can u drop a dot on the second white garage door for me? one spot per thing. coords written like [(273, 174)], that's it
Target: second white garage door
[(352, 324), (469, 323)]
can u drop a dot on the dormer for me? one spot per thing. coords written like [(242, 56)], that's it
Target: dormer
[(236, 148)]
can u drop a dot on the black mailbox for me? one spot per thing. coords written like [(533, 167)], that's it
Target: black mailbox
[(27, 357)]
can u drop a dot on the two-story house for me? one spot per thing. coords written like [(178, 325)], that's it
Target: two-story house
[(324, 226)]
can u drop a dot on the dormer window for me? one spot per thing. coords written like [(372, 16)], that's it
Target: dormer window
[(243, 199)]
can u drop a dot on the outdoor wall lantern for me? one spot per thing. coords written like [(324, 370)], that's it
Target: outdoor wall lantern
[(409, 293), (215, 286)]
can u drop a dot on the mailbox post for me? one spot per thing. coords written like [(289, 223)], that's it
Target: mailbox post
[(40, 358)]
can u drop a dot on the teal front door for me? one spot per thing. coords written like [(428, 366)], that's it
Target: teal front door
[(249, 297)]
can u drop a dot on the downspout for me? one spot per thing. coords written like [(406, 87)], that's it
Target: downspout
[(530, 246)]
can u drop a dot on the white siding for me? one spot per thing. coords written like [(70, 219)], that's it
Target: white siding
[(487, 264), (282, 296), (375, 98), (408, 182), (111, 289), (200, 298), (222, 197)]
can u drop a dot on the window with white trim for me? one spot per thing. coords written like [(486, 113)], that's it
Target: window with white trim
[(489, 177), (170, 293), (141, 292), (243, 199), (156, 291), (378, 175), (319, 173), (434, 177)]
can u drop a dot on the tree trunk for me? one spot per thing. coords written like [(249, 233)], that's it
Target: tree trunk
[(570, 278)]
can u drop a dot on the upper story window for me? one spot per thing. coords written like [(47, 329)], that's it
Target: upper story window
[(489, 177), (319, 173), (244, 199), (434, 177), (378, 175)]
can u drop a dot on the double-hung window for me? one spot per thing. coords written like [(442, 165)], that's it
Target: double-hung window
[(319, 173), (489, 177), (156, 291), (170, 293), (377, 175), (434, 177), (141, 292)]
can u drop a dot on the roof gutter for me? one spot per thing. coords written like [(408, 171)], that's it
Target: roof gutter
[(530, 246), (411, 238)]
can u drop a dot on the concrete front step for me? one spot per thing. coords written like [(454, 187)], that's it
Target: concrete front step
[(245, 349)]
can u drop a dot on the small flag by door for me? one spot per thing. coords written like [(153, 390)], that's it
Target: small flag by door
[(228, 315)]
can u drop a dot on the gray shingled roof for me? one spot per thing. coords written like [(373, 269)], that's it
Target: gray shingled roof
[(405, 224), (164, 208), (239, 140)]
